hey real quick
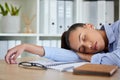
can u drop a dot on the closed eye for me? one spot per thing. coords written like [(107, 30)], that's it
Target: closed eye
[(84, 37)]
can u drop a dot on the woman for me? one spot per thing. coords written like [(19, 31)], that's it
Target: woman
[(97, 46), (84, 43)]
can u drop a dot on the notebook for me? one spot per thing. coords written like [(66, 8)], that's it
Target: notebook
[(95, 69), (60, 66)]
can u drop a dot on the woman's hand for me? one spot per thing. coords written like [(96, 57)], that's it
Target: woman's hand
[(13, 53), (84, 56)]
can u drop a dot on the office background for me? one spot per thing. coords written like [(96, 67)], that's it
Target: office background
[(48, 19)]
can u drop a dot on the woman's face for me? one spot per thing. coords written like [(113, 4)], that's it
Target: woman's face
[(86, 40)]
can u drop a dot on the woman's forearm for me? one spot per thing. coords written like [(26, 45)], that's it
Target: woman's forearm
[(14, 52), (34, 49), (86, 57)]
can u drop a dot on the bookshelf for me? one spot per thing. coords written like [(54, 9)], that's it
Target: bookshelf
[(52, 17)]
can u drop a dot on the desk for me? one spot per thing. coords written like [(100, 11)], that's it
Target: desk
[(13, 72)]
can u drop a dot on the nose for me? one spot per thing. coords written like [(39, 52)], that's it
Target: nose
[(87, 45)]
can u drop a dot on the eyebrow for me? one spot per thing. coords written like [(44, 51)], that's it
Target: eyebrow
[(79, 36)]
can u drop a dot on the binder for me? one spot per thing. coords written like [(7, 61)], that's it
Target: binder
[(3, 48), (40, 42), (44, 18), (60, 16), (46, 43), (86, 11), (59, 43), (17, 42), (93, 12), (53, 17), (53, 43), (11, 44), (68, 13), (109, 12), (101, 13), (90, 12)]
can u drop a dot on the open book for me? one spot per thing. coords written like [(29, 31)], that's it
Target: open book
[(59, 66)]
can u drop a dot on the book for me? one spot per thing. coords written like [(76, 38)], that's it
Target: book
[(95, 69), (59, 66)]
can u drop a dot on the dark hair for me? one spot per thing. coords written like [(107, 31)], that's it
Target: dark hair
[(63, 41), (65, 36)]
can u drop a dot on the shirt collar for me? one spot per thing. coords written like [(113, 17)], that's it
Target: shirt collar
[(109, 32)]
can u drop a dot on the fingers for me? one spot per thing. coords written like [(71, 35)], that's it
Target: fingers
[(11, 56), (16, 55), (13, 53)]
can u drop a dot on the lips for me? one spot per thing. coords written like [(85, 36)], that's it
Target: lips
[(95, 46)]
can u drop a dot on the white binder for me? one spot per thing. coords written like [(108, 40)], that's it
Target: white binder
[(18, 42), (59, 43), (68, 13), (3, 49), (109, 12), (90, 12), (40, 42), (46, 43), (86, 11), (44, 18), (53, 43), (11, 44), (101, 13), (60, 16), (53, 17)]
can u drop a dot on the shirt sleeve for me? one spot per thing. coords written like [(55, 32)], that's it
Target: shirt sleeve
[(111, 58), (60, 54)]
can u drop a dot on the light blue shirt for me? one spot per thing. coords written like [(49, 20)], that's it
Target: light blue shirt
[(60, 54), (112, 57)]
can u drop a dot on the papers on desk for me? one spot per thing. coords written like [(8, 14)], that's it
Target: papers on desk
[(60, 66)]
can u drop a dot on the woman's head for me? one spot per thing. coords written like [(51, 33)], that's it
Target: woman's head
[(65, 35), (84, 38)]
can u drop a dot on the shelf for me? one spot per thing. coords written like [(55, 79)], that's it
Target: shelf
[(50, 35), (17, 34), (27, 35)]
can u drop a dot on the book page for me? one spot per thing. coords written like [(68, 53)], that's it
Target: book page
[(60, 66)]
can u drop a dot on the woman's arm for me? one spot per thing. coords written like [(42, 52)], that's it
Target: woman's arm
[(110, 58), (13, 53), (86, 57)]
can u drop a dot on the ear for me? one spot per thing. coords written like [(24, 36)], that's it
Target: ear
[(90, 26)]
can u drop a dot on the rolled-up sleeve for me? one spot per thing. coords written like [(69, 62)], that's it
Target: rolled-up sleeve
[(111, 58), (97, 58), (59, 54)]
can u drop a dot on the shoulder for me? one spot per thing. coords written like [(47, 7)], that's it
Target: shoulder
[(116, 25)]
